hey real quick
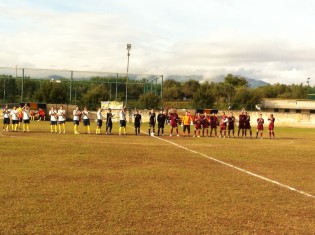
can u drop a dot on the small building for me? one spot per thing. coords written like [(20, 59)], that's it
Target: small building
[(288, 106)]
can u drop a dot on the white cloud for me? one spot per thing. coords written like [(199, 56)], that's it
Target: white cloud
[(272, 41)]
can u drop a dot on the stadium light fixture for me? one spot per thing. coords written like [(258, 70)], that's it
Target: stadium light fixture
[(128, 55), (308, 86)]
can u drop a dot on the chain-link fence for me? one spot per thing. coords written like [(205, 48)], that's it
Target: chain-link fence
[(67, 86)]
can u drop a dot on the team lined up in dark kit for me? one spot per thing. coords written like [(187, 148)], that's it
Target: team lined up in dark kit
[(205, 125)]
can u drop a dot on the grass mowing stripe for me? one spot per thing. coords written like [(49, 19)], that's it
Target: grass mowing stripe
[(238, 168)]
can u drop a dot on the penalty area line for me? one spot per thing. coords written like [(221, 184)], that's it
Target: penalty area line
[(239, 169)]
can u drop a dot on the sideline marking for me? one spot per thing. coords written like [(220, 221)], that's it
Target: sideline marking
[(239, 169)]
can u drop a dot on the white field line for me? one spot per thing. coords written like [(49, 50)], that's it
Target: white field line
[(237, 168)]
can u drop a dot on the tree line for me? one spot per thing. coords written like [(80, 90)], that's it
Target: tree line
[(233, 92)]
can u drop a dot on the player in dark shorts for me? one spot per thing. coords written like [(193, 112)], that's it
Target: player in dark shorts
[(86, 120), (109, 122), (260, 126), (214, 124), (271, 126), (137, 122), (247, 125), (205, 123), (6, 118), (152, 121), (231, 125), (223, 124), (197, 123), (173, 118), (241, 124), (122, 121), (161, 122)]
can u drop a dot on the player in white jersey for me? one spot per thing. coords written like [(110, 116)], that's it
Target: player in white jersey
[(6, 118), (122, 120), (99, 122), (14, 118), (86, 120), (61, 119), (53, 119), (26, 118), (76, 119)]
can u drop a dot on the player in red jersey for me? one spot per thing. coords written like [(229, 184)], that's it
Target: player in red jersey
[(173, 117), (223, 124), (260, 126), (214, 124), (205, 125), (197, 123), (241, 124), (247, 125), (271, 127), (231, 122)]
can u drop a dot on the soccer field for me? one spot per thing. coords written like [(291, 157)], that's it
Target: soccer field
[(99, 184)]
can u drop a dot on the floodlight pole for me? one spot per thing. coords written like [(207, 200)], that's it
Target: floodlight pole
[(162, 88), (22, 85), (308, 86), (128, 55), (4, 90), (70, 90)]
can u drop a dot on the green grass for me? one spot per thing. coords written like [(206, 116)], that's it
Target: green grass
[(89, 184)]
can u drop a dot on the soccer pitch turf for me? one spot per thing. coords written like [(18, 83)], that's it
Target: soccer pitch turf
[(99, 184)]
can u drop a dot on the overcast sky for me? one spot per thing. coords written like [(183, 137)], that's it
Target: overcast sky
[(271, 40)]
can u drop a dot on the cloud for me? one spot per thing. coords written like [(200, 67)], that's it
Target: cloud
[(206, 38)]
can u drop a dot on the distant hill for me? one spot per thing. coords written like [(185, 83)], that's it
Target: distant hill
[(253, 83)]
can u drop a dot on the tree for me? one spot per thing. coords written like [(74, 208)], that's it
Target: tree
[(172, 90), (52, 92), (189, 88), (245, 98), (204, 98), (149, 101), (92, 99), (235, 81)]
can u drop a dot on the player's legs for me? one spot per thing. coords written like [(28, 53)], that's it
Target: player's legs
[(184, 130), (257, 133)]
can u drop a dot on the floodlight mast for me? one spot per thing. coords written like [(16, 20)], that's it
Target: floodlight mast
[(128, 55), (308, 87)]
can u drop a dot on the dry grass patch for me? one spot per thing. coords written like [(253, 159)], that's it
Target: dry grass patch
[(88, 184)]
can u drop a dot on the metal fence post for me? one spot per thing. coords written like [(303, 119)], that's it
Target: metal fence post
[(71, 77)]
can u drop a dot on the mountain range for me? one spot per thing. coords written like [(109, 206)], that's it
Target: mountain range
[(253, 83)]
